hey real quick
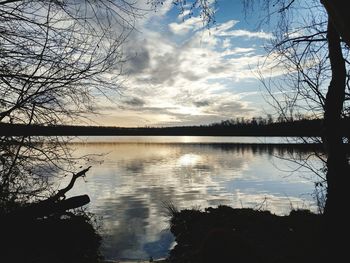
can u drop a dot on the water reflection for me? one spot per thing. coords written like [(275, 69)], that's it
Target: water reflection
[(129, 188)]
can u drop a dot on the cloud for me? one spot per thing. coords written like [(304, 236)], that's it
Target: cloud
[(246, 33), (222, 30), (226, 43), (175, 78), (135, 102), (137, 60), (190, 75), (190, 24), (225, 26), (238, 51), (201, 103), (217, 68), (229, 109), (184, 14)]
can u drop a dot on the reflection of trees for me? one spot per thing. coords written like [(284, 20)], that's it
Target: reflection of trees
[(274, 148)]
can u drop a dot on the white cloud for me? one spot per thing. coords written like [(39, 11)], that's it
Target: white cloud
[(195, 81), (246, 33), (225, 26), (226, 43), (238, 50), (190, 24), (184, 14)]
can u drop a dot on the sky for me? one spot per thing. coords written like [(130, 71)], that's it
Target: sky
[(179, 72)]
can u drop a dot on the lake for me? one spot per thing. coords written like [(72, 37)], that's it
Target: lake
[(132, 179)]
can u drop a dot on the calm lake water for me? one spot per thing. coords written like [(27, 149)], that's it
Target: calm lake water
[(133, 179)]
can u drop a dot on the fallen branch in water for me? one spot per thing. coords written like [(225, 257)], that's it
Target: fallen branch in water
[(54, 205), (62, 192)]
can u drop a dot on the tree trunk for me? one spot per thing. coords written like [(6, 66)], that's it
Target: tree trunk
[(336, 162), (338, 13), (337, 165)]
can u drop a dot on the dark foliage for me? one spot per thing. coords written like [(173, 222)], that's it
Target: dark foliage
[(68, 238), (225, 234)]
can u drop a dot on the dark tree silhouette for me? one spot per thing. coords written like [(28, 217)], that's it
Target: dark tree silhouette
[(310, 49), (317, 64), (55, 57)]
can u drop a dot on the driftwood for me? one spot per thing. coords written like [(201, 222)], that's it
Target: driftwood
[(61, 193), (54, 205)]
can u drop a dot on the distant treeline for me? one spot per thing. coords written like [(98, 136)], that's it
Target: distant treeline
[(253, 127)]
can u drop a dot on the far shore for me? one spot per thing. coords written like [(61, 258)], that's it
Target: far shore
[(135, 261), (302, 128)]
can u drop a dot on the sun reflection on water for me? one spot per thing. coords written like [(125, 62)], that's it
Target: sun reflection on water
[(189, 159)]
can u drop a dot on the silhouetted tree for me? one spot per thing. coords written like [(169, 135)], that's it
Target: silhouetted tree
[(318, 82), (55, 57), (316, 79), (308, 43)]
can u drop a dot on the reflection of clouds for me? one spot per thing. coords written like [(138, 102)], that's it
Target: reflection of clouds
[(135, 167), (130, 187), (124, 236)]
